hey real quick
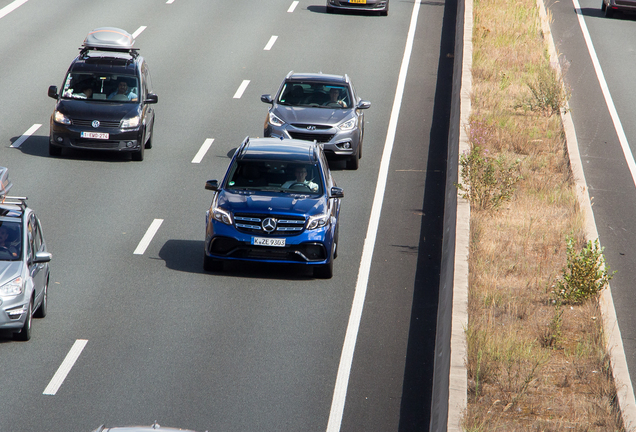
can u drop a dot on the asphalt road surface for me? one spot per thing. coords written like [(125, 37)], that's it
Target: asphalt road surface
[(604, 155), (258, 347)]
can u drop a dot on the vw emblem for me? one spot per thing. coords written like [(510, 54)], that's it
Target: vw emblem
[(311, 127), (95, 123), (269, 225)]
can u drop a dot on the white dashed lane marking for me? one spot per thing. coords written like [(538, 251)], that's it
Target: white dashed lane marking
[(138, 31), (241, 89), (145, 241), (65, 367), (270, 44), (25, 135), (203, 150), (292, 7), (11, 7)]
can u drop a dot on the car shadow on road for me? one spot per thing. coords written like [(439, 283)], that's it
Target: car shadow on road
[(38, 145), (187, 256), (598, 13), (323, 10)]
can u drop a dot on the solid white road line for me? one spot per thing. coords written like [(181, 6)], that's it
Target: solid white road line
[(629, 157), (169, 1), (138, 31), (11, 7), (145, 241), (203, 150), (65, 367), (611, 330), (241, 89), (270, 44), (25, 135), (346, 358), (292, 7)]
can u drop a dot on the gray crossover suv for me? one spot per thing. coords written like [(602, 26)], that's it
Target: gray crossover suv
[(24, 264), (322, 108)]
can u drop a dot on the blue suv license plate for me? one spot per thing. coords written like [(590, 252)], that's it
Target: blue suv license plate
[(264, 241)]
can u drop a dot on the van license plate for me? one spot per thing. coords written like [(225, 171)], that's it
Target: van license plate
[(94, 135)]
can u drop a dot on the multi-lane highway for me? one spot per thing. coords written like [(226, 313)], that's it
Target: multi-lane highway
[(147, 334), (599, 55)]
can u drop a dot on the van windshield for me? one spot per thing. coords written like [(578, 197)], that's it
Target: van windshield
[(101, 87)]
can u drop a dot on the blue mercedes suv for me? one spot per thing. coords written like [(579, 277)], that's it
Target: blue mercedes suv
[(278, 202)]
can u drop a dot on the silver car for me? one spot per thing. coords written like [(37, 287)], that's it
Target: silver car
[(611, 6), (24, 264), (152, 428), (322, 108)]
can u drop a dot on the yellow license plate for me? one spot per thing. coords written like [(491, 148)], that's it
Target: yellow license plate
[(358, 1)]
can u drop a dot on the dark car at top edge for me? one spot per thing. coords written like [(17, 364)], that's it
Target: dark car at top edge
[(380, 6), (322, 108), (277, 203), (106, 100)]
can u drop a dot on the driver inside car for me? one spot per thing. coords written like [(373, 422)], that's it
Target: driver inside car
[(300, 180), (6, 242)]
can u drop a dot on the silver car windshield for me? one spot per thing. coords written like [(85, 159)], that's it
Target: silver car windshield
[(101, 87), (315, 95), (10, 241)]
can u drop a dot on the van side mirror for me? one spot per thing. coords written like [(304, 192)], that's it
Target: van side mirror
[(53, 92), (151, 98)]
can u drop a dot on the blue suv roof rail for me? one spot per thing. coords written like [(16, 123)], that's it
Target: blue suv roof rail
[(243, 146)]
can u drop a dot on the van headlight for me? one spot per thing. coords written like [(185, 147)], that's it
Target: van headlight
[(58, 117), (132, 122)]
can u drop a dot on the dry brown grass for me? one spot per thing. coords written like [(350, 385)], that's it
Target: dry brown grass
[(532, 364)]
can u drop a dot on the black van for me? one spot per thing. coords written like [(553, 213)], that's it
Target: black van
[(106, 98)]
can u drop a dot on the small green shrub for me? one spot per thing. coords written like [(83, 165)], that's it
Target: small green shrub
[(548, 95), (585, 274), (488, 181)]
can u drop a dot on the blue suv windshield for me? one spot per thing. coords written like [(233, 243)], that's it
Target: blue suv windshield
[(279, 176)]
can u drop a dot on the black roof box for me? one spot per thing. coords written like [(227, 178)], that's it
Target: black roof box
[(109, 39)]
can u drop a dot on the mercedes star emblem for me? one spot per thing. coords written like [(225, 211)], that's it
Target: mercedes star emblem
[(269, 225)]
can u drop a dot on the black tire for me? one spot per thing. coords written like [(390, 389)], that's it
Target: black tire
[(149, 142), (55, 150), (40, 312), (324, 271), (25, 334), (609, 12), (211, 264), (353, 162), (603, 5), (138, 156)]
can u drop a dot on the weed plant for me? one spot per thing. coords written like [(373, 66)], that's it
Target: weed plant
[(535, 361)]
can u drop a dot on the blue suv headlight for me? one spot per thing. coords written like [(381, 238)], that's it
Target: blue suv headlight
[(220, 214), (318, 221)]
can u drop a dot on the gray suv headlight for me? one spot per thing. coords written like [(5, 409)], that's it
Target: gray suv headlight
[(348, 125), (12, 288), (275, 120)]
